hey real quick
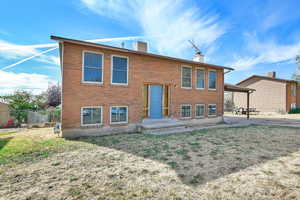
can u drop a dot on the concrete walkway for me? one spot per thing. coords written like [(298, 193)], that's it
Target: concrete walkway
[(229, 122), (10, 130), (263, 121)]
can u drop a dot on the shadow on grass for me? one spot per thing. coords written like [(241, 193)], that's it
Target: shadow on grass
[(4, 141), (201, 156)]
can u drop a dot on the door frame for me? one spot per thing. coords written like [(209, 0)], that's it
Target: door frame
[(163, 97)]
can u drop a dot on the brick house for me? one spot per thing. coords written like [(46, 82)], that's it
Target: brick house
[(107, 89), (272, 94)]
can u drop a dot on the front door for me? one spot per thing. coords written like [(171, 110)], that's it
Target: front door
[(156, 94)]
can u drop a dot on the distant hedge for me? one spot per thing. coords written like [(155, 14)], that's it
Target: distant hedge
[(295, 111)]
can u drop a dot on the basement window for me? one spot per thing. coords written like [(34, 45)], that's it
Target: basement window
[(200, 110), (92, 67), (186, 111), (118, 114), (91, 116), (119, 70), (212, 109)]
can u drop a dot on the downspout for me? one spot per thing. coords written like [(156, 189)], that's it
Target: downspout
[(61, 55)]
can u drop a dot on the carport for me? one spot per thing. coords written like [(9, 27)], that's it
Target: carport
[(234, 88)]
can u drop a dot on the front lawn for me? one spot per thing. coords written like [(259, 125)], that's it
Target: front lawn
[(255, 162)]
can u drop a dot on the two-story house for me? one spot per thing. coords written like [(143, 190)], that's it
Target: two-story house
[(106, 89)]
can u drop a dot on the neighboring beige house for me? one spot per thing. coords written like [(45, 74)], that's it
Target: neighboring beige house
[(272, 94), (4, 114)]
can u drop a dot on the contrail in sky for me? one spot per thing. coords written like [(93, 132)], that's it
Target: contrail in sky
[(55, 46)]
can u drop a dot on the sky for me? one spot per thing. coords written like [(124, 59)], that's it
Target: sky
[(252, 36)]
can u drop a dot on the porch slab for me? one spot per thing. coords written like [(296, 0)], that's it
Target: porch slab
[(168, 126)]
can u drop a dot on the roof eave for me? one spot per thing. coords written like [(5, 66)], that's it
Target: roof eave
[(80, 42)]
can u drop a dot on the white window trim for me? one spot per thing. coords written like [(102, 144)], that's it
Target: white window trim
[(191, 76), (294, 90), (125, 122), (196, 78), (82, 68), (211, 70), (181, 111), (293, 106), (196, 111), (208, 110), (111, 70), (81, 116)]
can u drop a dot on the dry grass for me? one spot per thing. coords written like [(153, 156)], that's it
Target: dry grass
[(256, 162)]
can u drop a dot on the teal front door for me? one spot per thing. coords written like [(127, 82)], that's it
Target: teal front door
[(156, 94)]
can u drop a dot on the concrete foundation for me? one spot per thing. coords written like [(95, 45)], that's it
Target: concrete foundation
[(147, 126)]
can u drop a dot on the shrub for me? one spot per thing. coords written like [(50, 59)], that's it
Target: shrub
[(295, 111)]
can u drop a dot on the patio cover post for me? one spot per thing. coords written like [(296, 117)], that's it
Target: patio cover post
[(248, 103)]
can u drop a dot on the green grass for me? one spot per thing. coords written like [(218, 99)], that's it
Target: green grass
[(20, 149), (6, 133)]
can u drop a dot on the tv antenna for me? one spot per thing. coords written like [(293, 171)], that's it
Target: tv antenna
[(197, 50)]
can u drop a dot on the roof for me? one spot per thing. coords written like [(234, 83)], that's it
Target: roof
[(81, 42), (265, 78), (234, 88)]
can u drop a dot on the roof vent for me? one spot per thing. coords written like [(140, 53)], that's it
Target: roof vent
[(141, 46), (272, 74), (198, 57)]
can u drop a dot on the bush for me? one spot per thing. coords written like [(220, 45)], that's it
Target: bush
[(295, 111)]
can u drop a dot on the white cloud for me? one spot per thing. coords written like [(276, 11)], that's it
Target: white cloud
[(265, 52), (172, 23), (35, 83), (12, 51)]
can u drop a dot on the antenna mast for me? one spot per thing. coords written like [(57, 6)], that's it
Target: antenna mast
[(195, 47)]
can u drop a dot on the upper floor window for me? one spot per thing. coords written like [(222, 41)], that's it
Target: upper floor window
[(186, 77), (200, 78), (293, 87), (119, 70), (212, 80), (92, 67), (91, 116)]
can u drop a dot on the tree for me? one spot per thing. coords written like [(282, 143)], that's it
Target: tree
[(53, 95), (296, 76), (20, 102)]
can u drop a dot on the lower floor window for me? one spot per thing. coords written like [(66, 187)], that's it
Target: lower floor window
[(293, 106), (200, 109), (91, 115), (186, 110), (212, 109), (119, 114)]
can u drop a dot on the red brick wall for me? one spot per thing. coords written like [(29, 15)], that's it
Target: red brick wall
[(142, 69), (289, 97), (298, 97)]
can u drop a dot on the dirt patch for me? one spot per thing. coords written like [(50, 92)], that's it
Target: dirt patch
[(255, 162)]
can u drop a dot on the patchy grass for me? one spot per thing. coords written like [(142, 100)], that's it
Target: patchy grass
[(29, 146), (6, 133), (255, 162)]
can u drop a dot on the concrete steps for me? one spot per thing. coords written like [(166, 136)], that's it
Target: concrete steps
[(169, 126)]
